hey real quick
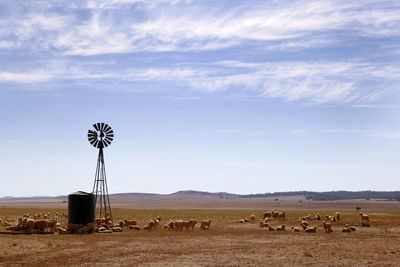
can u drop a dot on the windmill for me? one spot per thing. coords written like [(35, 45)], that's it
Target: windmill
[(100, 138)]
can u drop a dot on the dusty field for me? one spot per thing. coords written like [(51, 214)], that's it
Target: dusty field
[(227, 243)]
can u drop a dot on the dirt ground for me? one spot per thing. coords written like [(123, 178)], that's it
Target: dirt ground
[(226, 243)]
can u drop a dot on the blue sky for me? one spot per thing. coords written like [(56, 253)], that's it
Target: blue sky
[(236, 96)]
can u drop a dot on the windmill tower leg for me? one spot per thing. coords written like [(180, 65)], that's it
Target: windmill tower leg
[(100, 190)]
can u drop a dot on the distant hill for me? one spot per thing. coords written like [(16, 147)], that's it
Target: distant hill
[(309, 195)]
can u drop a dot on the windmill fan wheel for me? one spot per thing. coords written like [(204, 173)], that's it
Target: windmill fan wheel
[(101, 136)]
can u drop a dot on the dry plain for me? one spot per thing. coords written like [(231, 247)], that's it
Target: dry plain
[(226, 243)]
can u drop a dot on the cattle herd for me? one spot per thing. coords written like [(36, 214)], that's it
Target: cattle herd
[(44, 223)]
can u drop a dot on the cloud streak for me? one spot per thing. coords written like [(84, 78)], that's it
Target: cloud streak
[(61, 43), (382, 134), (364, 133), (25, 77), (275, 25), (108, 28), (319, 82)]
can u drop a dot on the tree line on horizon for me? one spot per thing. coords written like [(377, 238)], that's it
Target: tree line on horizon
[(334, 195)]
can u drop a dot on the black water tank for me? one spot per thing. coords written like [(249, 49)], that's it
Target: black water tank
[(81, 208)]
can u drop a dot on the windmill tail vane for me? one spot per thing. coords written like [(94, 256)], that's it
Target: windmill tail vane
[(100, 138)]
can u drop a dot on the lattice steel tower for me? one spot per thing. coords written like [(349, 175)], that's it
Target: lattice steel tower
[(101, 137)]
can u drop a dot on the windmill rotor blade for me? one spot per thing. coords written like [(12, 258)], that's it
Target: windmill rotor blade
[(95, 142), (92, 136), (102, 126), (111, 135), (91, 140), (96, 127), (107, 142), (109, 139), (107, 128)]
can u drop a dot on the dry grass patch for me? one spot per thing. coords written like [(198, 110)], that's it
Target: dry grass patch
[(226, 243)]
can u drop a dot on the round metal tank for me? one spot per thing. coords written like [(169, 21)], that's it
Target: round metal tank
[(81, 208)]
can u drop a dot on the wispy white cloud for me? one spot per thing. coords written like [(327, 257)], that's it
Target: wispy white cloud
[(25, 77), (381, 134), (375, 106), (33, 26), (96, 36), (303, 43), (100, 4), (365, 133), (135, 26), (6, 44), (277, 25), (294, 23), (162, 74), (318, 82)]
